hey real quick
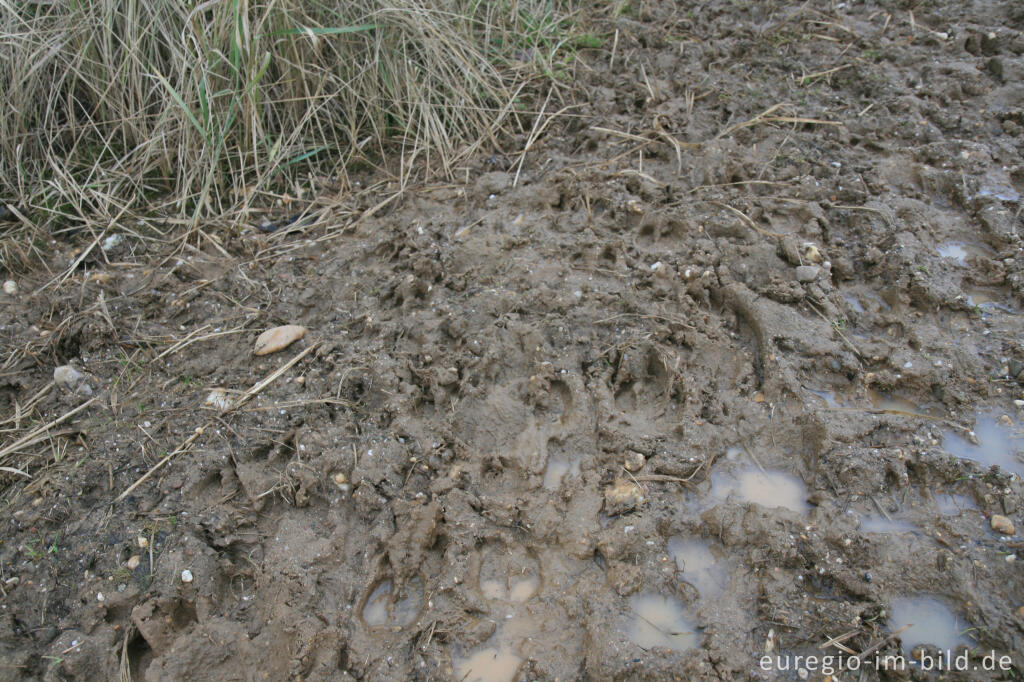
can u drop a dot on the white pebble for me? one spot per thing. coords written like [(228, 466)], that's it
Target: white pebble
[(186, 576)]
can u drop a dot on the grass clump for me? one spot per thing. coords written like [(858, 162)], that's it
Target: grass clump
[(113, 107)]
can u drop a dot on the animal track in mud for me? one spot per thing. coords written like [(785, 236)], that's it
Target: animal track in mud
[(508, 574), (386, 607), (509, 577)]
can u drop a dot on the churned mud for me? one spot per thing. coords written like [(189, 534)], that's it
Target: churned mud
[(726, 369)]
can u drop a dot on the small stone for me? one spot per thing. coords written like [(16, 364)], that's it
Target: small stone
[(621, 497), (1020, 611), (10, 287), (112, 242), (634, 461), (133, 562), (100, 597), (278, 338), (1002, 525), (811, 253), (219, 399), (69, 378), (340, 478), (142, 541), (807, 273), (186, 576)]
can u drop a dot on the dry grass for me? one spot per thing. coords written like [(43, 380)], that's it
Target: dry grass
[(116, 109)]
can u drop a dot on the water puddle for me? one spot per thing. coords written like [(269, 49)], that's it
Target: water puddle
[(828, 397), (960, 251), (382, 608), (769, 488), (881, 400), (987, 299), (518, 590), (954, 505), (854, 303), (488, 665), (557, 470), (876, 523), (999, 442), (928, 621), (498, 660), (660, 622), (523, 588), (699, 565), (1002, 193)]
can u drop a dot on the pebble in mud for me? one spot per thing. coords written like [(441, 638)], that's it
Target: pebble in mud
[(634, 461), (621, 497), (69, 378), (807, 273), (10, 287), (278, 338), (186, 576), (1002, 525)]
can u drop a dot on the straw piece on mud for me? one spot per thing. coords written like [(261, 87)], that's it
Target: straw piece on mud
[(270, 379), (181, 448), (199, 431), (34, 435), (747, 220), (12, 470)]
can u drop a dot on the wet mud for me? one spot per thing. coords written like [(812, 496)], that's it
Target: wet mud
[(732, 367)]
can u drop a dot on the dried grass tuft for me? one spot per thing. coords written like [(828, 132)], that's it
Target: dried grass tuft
[(112, 109)]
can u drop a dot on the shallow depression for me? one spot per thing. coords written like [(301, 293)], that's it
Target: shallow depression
[(699, 565), (927, 621), (770, 488), (999, 442), (488, 665), (557, 470), (660, 622)]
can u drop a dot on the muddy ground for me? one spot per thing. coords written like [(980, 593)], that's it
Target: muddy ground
[(729, 370)]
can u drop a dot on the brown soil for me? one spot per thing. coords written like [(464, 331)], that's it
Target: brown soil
[(437, 488)]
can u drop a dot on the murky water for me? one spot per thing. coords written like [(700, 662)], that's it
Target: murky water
[(383, 609), (699, 565), (659, 621), (998, 443), (828, 397), (876, 523), (498, 659), (882, 400), (488, 665), (955, 251), (930, 621), (953, 505), (557, 470), (769, 488)]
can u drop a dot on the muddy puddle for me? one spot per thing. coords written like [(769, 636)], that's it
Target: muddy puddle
[(995, 440)]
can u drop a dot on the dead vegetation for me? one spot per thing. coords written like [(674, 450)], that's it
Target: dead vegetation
[(187, 110)]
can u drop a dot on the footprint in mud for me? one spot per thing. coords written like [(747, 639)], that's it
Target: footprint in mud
[(660, 622), (560, 467), (498, 660), (386, 608), (508, 574), (768, 488), (700, 564), (492, 664), (926, 620), (994, 440)]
